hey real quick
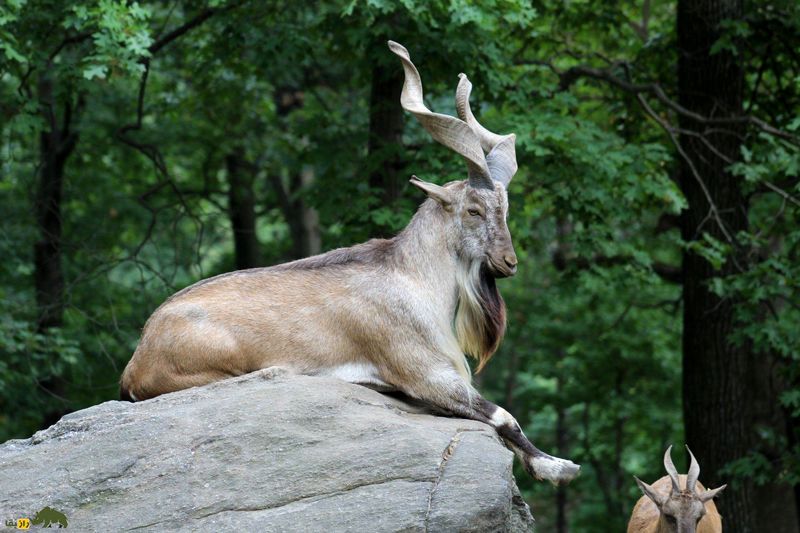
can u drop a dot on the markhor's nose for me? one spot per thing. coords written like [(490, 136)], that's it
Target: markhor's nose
[(511, 260)]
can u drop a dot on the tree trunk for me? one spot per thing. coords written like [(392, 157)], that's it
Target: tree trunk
[(775, 503), (717, 414), (242, 212), (385, 136), (303, 220), (728, 390), (56, 144), (561, 446), (715, 396)]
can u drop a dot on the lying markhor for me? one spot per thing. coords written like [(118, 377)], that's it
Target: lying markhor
[(398, 313)]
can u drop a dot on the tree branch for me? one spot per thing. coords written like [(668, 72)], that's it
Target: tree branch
[(670, 131), (184, 28), (568, 77)]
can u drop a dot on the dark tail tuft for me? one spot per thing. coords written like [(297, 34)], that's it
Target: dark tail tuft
[(124, 395)]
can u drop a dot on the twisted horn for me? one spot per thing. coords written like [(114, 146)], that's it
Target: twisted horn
[(449, 131), (673, 474), (694, 472), (501, 158)]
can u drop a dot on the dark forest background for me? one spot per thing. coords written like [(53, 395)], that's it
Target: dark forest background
[(146, 145)]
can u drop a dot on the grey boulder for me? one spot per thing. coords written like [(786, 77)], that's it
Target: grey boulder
[(266, 452)]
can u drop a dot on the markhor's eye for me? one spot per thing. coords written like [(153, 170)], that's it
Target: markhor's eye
[(474, 212)]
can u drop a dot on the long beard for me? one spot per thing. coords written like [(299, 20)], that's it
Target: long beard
[(480, 321)]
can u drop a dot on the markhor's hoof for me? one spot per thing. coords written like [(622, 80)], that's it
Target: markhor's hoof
[(554, 469)]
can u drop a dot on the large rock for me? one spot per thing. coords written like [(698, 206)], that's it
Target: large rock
[(265, 452)]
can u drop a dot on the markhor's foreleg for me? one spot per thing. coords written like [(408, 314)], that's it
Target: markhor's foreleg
[(448, 391), (537, 463)]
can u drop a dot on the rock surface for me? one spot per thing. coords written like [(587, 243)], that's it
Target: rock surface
[(265, 452)]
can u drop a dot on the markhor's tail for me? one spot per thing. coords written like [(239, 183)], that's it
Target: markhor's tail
[(124, 395)]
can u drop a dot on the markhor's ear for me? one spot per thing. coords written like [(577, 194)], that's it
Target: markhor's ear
[(710, 493), (658, 498), (437, 192)]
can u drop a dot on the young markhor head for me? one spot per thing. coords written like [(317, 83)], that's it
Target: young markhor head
[(676, 503)]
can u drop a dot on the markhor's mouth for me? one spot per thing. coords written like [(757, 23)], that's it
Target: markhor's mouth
[(500, 270)]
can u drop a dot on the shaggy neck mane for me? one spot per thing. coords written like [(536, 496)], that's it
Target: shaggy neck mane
[(479, 312), (480, 320)]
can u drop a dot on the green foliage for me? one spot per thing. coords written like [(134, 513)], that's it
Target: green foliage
[(120, 35), (591, 364), (30, 359)]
